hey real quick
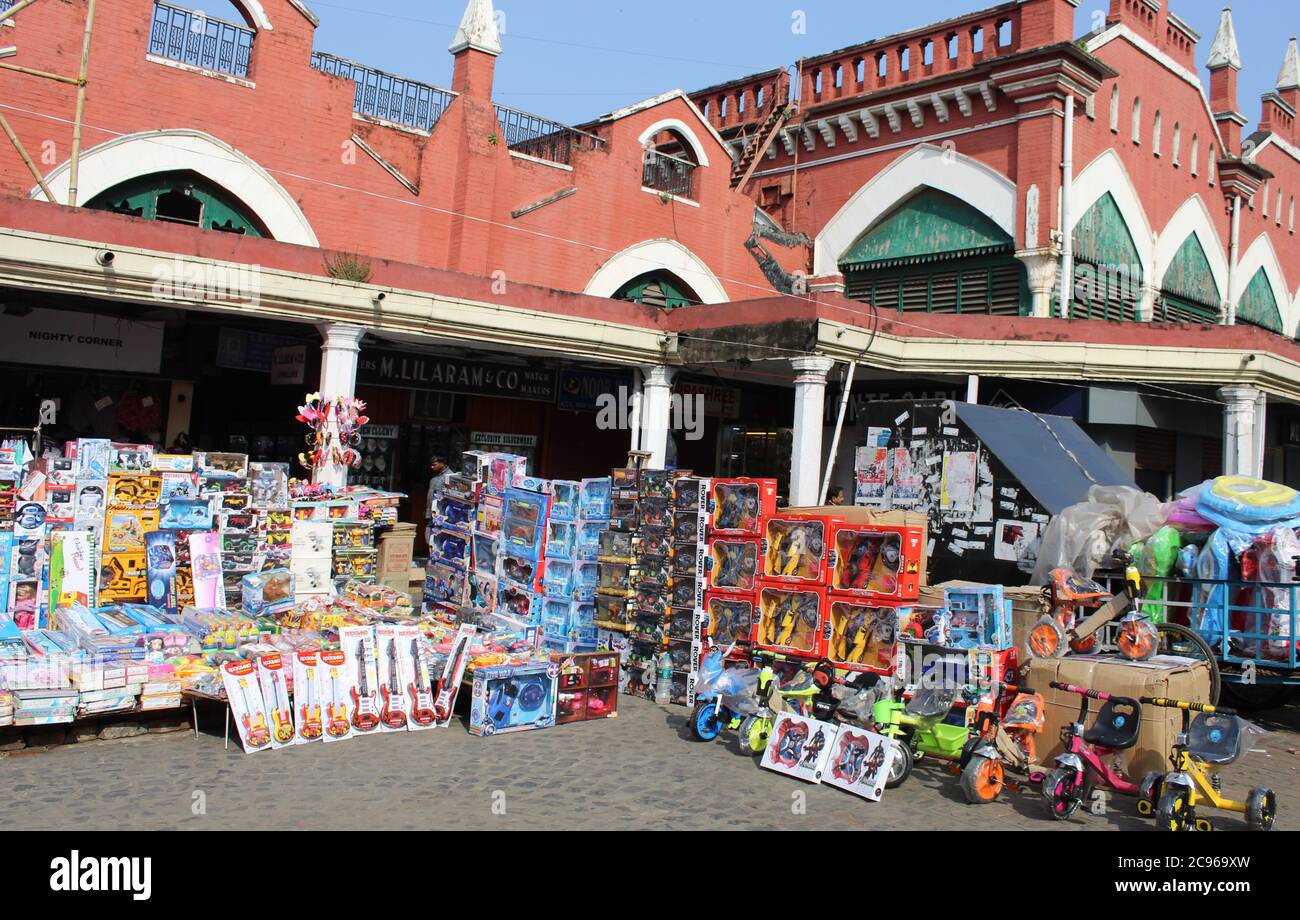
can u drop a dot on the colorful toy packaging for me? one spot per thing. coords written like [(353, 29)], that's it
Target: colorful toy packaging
[(247, 708), (513, 698)]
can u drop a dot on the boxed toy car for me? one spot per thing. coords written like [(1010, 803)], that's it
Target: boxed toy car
[(267, 593), (513, 698)]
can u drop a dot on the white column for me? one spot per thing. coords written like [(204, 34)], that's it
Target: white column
[(809, 419), (656, 409), (340, 348), (1241, 456), (634, 411), (1041, 268), (1261, 421)]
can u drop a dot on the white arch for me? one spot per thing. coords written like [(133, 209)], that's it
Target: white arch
[(1192, 217), (1261, 254), (135, 155), (963, 177), (1107, 174), (255, 12), (652, 255), (680, 127)]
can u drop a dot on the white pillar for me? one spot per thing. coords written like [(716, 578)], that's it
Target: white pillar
[(1067, 212), (656, 409), (340, 348), (1041, 268), (1241, 455), (809, 419), (1261, 421), (634, 411)]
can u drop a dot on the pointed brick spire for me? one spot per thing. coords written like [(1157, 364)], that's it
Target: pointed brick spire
[(478, 29), (1224, 52), (1289, 76)]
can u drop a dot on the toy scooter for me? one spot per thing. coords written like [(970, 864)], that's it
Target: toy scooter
[(1214, 738), (1000, 744), (1061, 632), (920, 728), (1088, 756)]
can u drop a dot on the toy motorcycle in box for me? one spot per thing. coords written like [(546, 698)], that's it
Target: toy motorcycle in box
[(730, 618), (864, 637), (794, 549), (876, 561)]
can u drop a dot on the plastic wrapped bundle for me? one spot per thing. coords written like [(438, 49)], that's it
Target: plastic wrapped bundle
[(1085, 536)]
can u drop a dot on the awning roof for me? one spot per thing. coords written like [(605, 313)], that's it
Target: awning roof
[(1051, 455)]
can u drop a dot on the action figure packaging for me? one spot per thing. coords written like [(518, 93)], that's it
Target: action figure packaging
[(732, 565), (794, 549), (792, 620), (729, 618), (738, 506), (863, 635), (881, 562)]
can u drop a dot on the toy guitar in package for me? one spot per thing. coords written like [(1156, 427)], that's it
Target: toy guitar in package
[(272, 677), (393, 672), (246, 707), (358, 644), (420, 690), (452, 673), (205, 562), (336, 703), (308, 709)]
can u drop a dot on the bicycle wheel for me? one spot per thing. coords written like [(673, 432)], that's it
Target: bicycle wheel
[(1179, 640)]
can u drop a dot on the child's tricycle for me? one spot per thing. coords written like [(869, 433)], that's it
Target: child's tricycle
[(1214, 738), (1089, 758), (998, 744), (920, 728)]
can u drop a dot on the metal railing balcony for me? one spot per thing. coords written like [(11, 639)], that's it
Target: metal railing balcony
[(386, 96), (669, 174), (542, 138), (199, 40)]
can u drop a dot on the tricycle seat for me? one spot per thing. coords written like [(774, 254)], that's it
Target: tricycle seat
[(1117, 724), (1214, 738), (931, 702)]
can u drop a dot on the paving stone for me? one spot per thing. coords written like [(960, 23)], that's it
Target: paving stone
[(631, 773)]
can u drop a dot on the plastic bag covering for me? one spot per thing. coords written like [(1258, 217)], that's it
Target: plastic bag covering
[(1158, 557), (1278, 552), (1084, 537), (1211, 565), (728, 683), (858, 706)]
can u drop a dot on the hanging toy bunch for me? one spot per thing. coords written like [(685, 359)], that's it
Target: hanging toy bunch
[(335, 430)]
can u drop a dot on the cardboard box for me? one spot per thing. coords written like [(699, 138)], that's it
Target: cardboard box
[(396, 550), (1162, 676)]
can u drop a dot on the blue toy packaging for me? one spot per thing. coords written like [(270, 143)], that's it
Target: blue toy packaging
[(513, 698), (978, 617)]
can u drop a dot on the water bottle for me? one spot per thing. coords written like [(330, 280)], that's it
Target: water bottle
[(664, 680)]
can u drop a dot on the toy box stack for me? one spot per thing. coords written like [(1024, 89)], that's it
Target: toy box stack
[(735, 514), (588, 686), (464, 516), (688, 549), (569, 583), (875, 570)]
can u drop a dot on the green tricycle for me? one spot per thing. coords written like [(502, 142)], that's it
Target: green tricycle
[(919, 727)]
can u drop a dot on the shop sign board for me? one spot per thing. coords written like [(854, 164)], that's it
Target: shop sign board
[(414, 371), (64, 338), (289, 365), (503, 441), (719, 401), (244, 350), (580, 389)]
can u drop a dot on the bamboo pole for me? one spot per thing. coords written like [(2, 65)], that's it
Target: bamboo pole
[(22, 152), (18, 68), (75, 168), (13, 10)]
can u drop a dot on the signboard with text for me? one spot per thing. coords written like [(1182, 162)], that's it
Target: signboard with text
[(414, 371), (64, 338)]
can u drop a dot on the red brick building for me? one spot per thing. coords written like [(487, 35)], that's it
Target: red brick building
[(855, 206)]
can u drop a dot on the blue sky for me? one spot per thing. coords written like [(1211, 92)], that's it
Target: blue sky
[(571, 60)]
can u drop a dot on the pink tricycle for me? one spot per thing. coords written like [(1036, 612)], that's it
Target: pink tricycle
[(1090, 757)]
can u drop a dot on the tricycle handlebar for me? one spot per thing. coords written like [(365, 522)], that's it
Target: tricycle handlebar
[(1082, 691), (1184, 704)]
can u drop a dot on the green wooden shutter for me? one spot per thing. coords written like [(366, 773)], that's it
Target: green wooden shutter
[(1189, 292), (1108, 272), (217, 208), (658, 289), (1258, 306)]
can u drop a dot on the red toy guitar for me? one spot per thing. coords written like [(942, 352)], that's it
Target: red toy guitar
[(449, 684), (364, 717), (421, 697), (393, 714)]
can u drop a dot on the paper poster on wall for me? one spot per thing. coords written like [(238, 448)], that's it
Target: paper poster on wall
[(907, 480), (871, 476), (1014, 540), (958, 486), (877, 437)]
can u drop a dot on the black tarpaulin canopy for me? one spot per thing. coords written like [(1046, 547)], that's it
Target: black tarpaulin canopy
[(1051, 455)]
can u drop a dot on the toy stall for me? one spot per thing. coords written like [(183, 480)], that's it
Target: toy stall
[(988, 480)]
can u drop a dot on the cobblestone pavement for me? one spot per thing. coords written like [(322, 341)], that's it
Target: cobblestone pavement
[(639, 771)]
